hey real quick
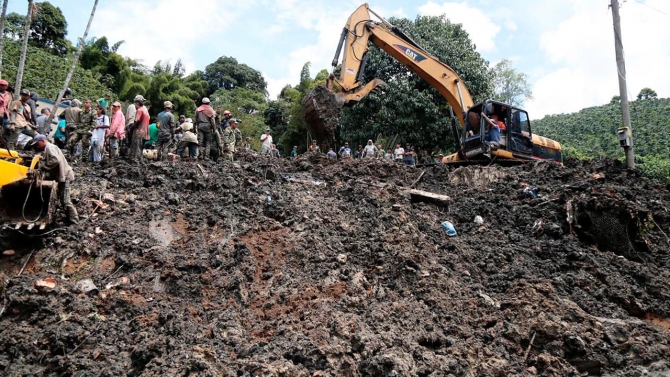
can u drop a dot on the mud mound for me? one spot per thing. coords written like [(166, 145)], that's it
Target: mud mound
[(314, 267), (322, 113)]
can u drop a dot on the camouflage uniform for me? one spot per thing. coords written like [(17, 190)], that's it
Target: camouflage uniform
[(86, 123), (229, 142)]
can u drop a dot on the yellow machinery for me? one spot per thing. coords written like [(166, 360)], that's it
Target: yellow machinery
[(24, 202), (517, 142)]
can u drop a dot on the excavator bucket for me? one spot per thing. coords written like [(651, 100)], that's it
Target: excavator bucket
[(28, 204), (322, 108), (24, 202)]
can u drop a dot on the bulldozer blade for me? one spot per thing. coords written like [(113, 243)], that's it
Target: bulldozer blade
[(321, 108), (28, 204)]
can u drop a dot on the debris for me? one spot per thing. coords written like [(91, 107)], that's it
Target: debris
[(98, 230), (108, 198), (479, 220), (342, 258), (425, 196), (449, 229), (158, 287), (121, 281), (45, 284), (86, 286), (8, 252), (529, 192), (489, 300)]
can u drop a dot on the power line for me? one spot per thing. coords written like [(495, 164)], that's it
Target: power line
[(652, 8)]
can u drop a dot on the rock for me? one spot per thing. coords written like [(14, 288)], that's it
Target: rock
[(86, 286), (229, 182), (173, 198), (479, 220), (108, 198), (342, 258), (45, 284)]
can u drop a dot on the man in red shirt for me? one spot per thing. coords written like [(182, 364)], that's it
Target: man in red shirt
[(5, 99), (140, 129)]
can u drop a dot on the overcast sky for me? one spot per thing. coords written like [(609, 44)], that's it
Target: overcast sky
[(566, 47)]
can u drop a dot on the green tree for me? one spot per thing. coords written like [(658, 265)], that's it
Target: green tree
[(615, 100), (647, 93), (410, 107), (49, 28), (509, 85), (227, 73)]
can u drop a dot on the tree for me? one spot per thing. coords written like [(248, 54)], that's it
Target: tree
[(49, 28), (410, 107), (73, 66), (24, 46), (647, 93), (227, 73), (615, 100), (509, 85)]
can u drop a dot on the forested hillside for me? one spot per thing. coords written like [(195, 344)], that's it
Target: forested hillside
[(591, 133)]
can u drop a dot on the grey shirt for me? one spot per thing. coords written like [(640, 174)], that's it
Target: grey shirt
[(55, 164)]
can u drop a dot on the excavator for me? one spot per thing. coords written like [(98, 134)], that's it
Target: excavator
[(322, 105), (24, 202)]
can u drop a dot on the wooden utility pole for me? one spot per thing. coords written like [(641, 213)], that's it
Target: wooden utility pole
[(24, 49), (2, 31), (75, 59), (623, 89)]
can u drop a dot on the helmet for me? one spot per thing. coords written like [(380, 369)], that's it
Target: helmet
[(205, 100)]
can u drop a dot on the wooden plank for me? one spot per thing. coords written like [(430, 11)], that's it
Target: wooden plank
[(418, 195)]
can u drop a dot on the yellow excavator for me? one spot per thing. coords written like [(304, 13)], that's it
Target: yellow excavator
[(322, 105), (24, 203)]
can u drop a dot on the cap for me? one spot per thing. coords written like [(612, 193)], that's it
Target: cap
[(4, 82), (268, 129), (167, 104), (25, 91), (233, 120), (117, 103), (38, 138), (139, 98), (205, 100), (188, 120)]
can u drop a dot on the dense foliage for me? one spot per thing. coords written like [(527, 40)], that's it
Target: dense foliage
[(591, 133), (47, 30), (45, 72)]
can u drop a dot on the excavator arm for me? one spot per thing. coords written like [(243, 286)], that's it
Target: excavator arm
[(360, 30)]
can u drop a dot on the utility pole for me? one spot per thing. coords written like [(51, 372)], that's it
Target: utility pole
[(24, 49), (625, 133), (2, 31)]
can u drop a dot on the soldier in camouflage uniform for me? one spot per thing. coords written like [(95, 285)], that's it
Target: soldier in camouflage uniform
[(82, 134), (230, 139)]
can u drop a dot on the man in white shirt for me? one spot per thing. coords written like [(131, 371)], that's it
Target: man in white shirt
[(266, 138), (399, 153)]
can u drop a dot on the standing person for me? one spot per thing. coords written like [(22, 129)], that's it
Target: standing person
[(5, 101), (314, 148), (380, 152), (60, 136), (399, 153), (20, 119), (345, 151), (189, 140), (32, 102), (294, 151), (165, 123), (131, 110), (229, 139), (331, 153), (426, 159), (41, 120), (370, 151), (225, 122), (247, 143), (266, 138), (55, 167), (359, 152), (409, 155), (104, 102), (117, 130), (274, 152), (389, 155), (102, 124), (205, 127), (140, 130), (72, 115), (81, 136)]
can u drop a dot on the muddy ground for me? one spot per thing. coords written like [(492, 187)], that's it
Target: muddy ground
[(333, 269)]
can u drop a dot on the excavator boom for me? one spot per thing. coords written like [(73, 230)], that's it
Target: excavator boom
[(323, 104)]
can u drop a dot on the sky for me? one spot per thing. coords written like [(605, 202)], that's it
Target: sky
[(565, 47)]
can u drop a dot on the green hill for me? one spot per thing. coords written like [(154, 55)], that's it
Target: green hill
[(591, 133), (45, 73)]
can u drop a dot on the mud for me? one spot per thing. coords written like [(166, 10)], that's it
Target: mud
[(322, 114), (330, 269)]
